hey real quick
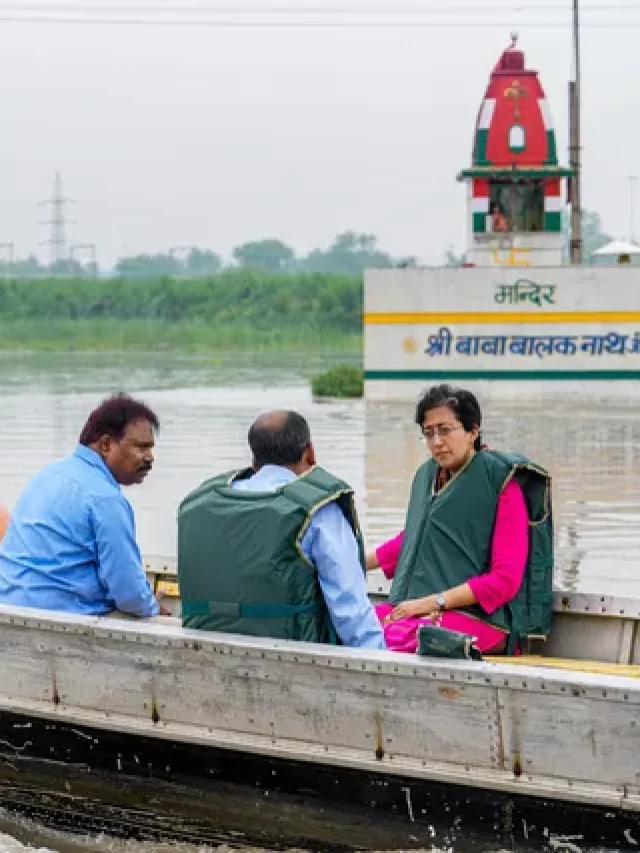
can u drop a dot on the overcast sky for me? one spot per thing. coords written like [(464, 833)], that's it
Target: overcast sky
[(210, 136)]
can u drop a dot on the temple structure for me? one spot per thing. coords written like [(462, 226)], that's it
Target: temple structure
[(516, 191)]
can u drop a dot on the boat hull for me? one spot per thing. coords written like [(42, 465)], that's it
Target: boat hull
[(87, 780), (304, 743)]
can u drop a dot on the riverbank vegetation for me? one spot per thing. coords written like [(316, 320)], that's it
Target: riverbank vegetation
[(236, 310)]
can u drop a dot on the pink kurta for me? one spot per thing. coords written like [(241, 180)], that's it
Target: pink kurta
[(498, 586)]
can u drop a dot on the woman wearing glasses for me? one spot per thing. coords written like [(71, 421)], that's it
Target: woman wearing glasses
[(476, 554)]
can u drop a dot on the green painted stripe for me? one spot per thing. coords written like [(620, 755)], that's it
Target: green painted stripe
[(553, 221), (552, 151), (522, 375), (481, 148), (548, 171), (479, 223)]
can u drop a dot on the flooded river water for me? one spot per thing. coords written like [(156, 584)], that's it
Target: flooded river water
[(591, 445)]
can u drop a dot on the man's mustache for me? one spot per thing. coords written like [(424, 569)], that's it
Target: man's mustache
[(146, 467)]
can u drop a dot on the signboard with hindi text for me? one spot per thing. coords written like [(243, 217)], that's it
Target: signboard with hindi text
[(555, 324)]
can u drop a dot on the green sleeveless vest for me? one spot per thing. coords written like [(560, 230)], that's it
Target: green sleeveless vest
[(447, 539), (240, 565)]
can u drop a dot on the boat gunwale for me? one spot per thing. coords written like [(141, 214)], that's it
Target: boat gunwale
[(167, 632)]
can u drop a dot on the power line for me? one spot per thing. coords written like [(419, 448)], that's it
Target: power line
[(302, 11), (319, 25), (224, 16), (246, 9)]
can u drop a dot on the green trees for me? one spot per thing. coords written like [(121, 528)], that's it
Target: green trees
[(198, 262), (350, 253), (268, 255)]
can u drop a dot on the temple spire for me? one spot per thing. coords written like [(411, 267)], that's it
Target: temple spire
[(516, 181)]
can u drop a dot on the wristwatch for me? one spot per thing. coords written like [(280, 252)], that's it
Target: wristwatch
[(440, 601)]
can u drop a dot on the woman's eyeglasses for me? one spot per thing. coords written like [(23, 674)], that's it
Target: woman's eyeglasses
[(443, 430)]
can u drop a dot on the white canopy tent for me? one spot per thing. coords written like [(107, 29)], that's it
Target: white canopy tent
[(618, 247), (617, 251)]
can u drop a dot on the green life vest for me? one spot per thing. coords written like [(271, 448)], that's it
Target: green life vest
[(241, 568), (448, 534)]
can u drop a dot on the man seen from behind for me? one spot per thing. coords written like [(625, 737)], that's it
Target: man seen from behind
[(275, 550)]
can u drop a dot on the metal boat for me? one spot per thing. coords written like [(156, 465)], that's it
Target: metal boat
[(143, 727)]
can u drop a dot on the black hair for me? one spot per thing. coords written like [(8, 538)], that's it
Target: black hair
[(279, 438), (113, 416), (463, 404)]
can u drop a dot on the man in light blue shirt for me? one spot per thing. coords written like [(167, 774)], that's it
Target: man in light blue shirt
[(329, 543), (71, 542)]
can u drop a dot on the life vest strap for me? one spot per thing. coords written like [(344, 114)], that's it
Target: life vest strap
[(237, 609)]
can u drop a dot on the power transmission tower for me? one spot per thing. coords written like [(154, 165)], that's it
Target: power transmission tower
[(58, 222), (89, 249)]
